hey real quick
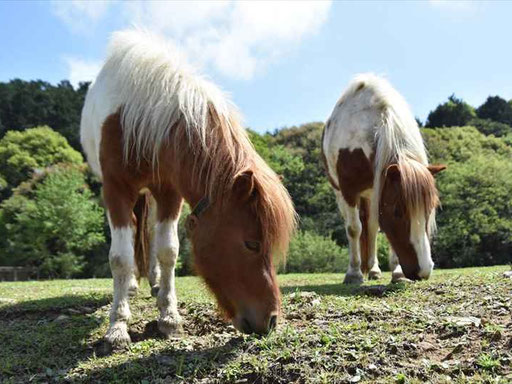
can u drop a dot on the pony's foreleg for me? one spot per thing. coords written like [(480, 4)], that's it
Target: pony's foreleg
[(397, 275), (354, 228), (166, 247), (121, 258)]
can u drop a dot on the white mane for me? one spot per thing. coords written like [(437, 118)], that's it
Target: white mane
[(157, 89)]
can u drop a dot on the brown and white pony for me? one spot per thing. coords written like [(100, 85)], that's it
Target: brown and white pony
[(377, 165), (149, 122)]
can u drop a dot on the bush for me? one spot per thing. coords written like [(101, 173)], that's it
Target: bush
[(21, 153), (312, 253), (51, 223), (475, 219), (475, 223)]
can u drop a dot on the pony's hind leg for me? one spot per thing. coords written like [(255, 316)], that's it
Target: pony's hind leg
[(354, 228), (166, 248), (121, 257), (368, 240)]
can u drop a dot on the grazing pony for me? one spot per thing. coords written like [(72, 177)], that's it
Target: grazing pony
[(377, 165), (150, 123)]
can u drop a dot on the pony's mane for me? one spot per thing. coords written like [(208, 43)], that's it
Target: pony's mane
[(164, 102), (399, 141)]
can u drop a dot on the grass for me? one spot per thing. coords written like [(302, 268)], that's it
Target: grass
[(456, 328)]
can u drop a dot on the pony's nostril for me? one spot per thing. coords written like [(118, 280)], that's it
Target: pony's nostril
[(246, 326), (272, 323)]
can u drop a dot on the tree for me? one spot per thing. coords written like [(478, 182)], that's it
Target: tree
[(496, 109), (454, 113), (22, 153), (51, 222), (490, 127), (310, 190), (25, 104), (475, 221)]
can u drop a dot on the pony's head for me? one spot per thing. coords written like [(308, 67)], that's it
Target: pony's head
[(407, 207), (234, 240)]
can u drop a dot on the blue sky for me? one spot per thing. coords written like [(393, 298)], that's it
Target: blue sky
[(283, 63)]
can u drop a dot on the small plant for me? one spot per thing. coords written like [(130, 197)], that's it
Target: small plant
[(488, 362)]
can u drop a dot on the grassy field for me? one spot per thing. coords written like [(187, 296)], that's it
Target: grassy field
[(456, 327)]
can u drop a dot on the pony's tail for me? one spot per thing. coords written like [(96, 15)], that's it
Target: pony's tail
[(142, 234), (364, 241)]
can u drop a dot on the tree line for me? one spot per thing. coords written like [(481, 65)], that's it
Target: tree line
[(51, 214)]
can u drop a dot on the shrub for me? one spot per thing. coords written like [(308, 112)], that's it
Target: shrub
[(23, 152), (311, 253), (51, 223)]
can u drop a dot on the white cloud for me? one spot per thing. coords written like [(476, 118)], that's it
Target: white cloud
[(80, 15), (236, 38), (82, 70)]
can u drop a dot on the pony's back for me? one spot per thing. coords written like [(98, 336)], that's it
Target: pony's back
[(146, 79)]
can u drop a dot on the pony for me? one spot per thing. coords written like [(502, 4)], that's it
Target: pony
[(152, 128), (377, 165)]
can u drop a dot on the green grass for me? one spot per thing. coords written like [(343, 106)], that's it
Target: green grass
[(456, 327)]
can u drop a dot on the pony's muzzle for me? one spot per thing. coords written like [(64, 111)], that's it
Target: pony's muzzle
[(252, 325)]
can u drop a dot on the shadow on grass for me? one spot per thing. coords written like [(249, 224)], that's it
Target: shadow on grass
[(40, 337), (43, 340), (177, 363), (339, 289)]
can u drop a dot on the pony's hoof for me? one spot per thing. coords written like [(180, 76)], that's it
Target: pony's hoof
[(353, 278), (117, 337), (170, 326), (132, 291), (154, 291), (374, 275), (399, 278)]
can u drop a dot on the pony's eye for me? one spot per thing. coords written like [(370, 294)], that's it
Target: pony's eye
[(398, 211), (252, 245)]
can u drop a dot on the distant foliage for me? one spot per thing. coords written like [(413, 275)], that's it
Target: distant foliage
[(50, 223), (475, 221), (490, 127), (26, 104), (454, 113), (23, 153), (310, 252), (310, 190), (496, 109)]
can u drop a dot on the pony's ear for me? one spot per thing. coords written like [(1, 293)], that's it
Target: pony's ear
[(436, 168), (191, 224), (393, 172), (244, 187)]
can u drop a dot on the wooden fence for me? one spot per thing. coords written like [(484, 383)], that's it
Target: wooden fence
[(18, 273)]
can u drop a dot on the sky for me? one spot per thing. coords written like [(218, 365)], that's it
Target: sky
[(284, 63)]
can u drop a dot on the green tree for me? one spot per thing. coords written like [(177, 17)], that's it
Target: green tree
[(496, 109), (310, 189), (25, 104), (51, 223), (22, 153), (475, 220), (490, 127), (454, 113)]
